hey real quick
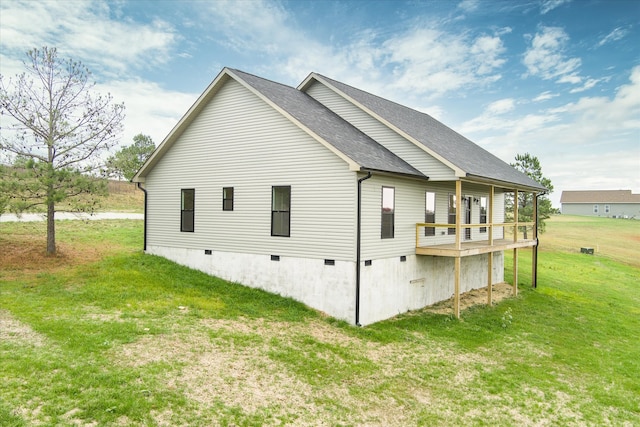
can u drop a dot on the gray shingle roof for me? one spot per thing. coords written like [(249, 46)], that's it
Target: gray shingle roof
[(599, 196), (332, 128), (438, 138)]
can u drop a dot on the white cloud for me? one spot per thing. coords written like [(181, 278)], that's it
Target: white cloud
[(254, 26), (114, 50), (432, 62), (572, 78), (469, 5), (576, 142), (544, 96), (85, 31), (501, 106), (494, 122), (546, 58), (150, 109), (424, 60), (547, 6), (615, 35), (589, 84), (263, 29)]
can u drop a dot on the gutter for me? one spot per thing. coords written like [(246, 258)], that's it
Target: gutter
[(145, 215), (505, 184), (358, 245)]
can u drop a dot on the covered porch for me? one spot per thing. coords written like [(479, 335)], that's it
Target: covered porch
[(510, 236)]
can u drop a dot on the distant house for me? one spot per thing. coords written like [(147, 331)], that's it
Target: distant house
[(355, 205), (607, 203)]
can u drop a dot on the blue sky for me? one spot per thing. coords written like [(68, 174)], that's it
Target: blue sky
[(559, 79)]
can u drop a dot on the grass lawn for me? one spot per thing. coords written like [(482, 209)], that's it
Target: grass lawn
[(105, 335)]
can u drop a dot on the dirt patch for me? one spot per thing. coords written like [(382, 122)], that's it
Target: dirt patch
[(472, 298), (26, 254), (228, 361), (13, 330)]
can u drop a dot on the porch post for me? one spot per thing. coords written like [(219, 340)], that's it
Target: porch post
[(458, 212), (456, 291), (456, 299), (490, 261), (515, 239), (515, 271), (515, 215), (490, 278), (534, 249)]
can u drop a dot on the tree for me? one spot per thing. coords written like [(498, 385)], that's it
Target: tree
[(126, 162), (530, 165), (62, 129)]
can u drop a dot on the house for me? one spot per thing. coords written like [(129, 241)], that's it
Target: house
[(608, 203), (352, 204)]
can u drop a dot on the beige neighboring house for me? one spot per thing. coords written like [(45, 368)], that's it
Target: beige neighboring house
[(350, 203), (605, 203)]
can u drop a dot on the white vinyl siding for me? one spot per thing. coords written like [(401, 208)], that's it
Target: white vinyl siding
[(628, 210), (408, 151), (409, 209), (239, 141)]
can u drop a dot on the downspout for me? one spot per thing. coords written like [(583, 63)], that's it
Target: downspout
[(534, 279), (358, 244), (145, 216)]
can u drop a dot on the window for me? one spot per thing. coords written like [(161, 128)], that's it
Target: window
[(187, 209), (388, 211), (607, 209), (430, 213), (452, 213), (595, 209), (280, 211), (483, 213), (227, 199)]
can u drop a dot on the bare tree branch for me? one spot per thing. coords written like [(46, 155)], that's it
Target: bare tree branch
[(61, 128)]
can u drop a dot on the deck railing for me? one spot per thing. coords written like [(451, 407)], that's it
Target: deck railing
[(516, 231)]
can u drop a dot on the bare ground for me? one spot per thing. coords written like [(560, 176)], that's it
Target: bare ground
[(12, 330), (230, 362)]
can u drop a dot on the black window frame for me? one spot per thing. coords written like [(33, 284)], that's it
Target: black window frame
[(429, 214), (227, 202), (187, 213), (387, 219), (278, 213)]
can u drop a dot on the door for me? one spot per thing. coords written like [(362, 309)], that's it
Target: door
[(467, 216)]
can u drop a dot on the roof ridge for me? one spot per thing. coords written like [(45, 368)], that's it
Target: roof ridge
[(384, 99), (235, 70)]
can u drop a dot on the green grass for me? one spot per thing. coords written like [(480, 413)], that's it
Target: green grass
[(106, 335)]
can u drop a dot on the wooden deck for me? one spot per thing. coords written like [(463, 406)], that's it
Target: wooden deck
[(473, 248)]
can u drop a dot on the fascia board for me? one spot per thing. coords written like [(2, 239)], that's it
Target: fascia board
[(504, 184)]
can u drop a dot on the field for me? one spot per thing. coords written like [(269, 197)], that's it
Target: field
[(105, 335), (123, 196)]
